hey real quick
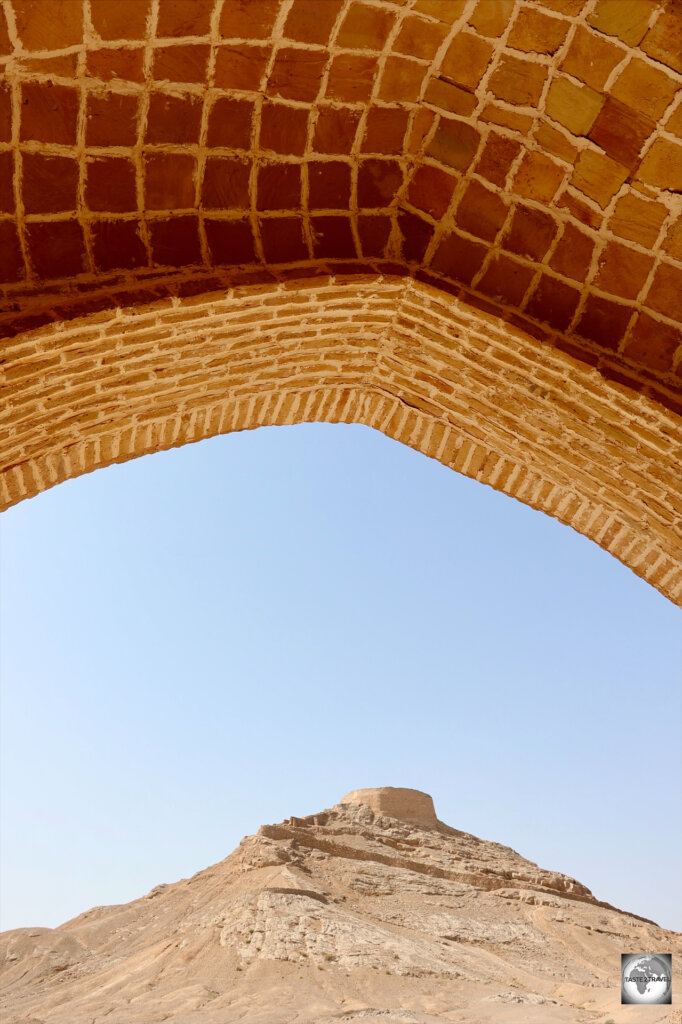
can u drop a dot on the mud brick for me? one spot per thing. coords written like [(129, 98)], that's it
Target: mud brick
[(622, 270), (431, 190)]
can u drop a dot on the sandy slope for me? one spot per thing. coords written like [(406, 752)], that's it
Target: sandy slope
[(348, 915)]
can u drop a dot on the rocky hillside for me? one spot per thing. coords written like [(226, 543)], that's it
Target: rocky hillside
[(371, 910)]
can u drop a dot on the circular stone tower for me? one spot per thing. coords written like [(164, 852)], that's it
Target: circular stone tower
[(405, 804)]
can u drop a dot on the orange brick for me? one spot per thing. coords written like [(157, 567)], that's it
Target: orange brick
[(664, 41), (449, 97), (493, 113), (419, 38), (481, 212), (598, 176), (591, 58), (574, 106), (365, 27), (538, 177), (638, 219), (401, 80), (447, 11), (653, 343), (573, 254), (665, 294), (627, 19), (662, 166), (518, 81), (491, 19), (467, 58), (621, 132), (537, 32), (623, 271), (647, 89)]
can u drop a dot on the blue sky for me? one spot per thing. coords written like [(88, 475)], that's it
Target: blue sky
[(208, 639)]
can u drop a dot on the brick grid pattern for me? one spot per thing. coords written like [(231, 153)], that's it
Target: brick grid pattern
[(396, 354), (522, 154)]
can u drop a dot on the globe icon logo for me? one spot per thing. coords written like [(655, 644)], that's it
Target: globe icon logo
[(646, 978)]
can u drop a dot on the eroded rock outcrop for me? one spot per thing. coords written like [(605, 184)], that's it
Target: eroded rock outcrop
[(373, 909)]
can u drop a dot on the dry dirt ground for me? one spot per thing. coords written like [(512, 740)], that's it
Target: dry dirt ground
[(348, 915)]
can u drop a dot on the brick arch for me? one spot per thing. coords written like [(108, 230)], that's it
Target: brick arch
[(391, 352), (519, 161)]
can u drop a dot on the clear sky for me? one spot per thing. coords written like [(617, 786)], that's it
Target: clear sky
[(208, 639)]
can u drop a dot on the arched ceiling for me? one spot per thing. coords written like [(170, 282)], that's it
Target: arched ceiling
[(517, 159)]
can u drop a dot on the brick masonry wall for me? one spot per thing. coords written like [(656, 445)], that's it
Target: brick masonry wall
[(427, 369), (485, 196)]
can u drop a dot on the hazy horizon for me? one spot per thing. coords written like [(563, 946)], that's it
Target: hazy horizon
[(205, 640)]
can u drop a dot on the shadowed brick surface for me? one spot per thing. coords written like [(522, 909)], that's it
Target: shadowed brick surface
[(522, 157)]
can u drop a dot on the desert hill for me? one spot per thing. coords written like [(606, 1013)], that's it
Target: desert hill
[(371, 911)]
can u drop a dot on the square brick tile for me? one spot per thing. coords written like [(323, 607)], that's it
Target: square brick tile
[(431, 190), (598, 176), (626, 19), (647, 89), (665, 293), (182, 63), (374, 231), (538, 177), (49, 113), (553, 302), (603, 321), (240, 67), (169, 181), (378, 182), (495, 161), (572, 105), (332, 238), (537, 32), (175, 241), (175, 119), (573, 254), (416, 234), (530, 233), (335, 129), (518, 81), (449, 97), (420, 38), (385, 130), (117, 244), (110, 185), (284, 129), (663, 42), (297, 74), (328, 185), (454, 143), (50, 183), (226, 184), (621, 132), (459, 258), (653, 343), (230, 241), (505, 280), (111, 119), (113, 20), (283, 240), (638, 219), (279, 187), (365, 27), (466, 59), (481, 212), (57, 248), (401, 80), (36, 32), (244, 19), (622, 270), (491, 19), (662, 166), (351, 78), (184, 18), (309, 21)]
